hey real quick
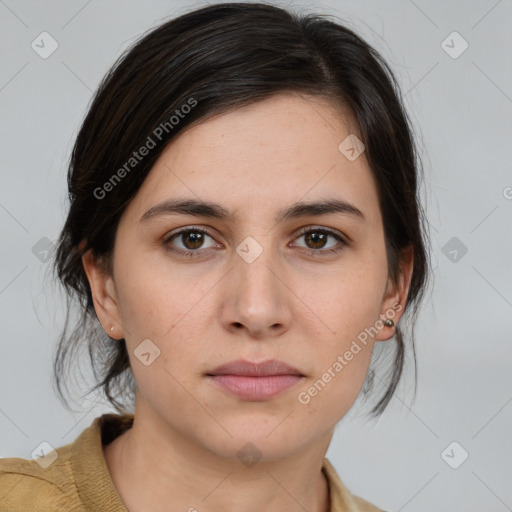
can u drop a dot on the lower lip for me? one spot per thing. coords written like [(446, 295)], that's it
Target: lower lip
[(256, 388)]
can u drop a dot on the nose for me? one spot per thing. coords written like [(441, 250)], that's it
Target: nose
[(255, 298)]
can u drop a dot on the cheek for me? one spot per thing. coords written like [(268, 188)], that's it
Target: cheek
[(169, 308), (344, 303), (155, 296), (346, 314), (341, 365)]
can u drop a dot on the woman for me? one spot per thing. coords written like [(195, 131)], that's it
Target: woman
[(244, 227)]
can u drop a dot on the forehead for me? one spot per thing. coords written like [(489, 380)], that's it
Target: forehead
[(261, 157)]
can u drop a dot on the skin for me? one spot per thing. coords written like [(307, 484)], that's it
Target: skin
[(292, 303)]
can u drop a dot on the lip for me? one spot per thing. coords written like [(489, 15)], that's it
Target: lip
[(252, 369), (255, 381)]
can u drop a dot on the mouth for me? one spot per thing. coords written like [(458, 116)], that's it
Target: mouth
[(255, 381)]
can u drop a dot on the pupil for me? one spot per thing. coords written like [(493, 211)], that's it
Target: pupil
[(316, 238), (196, 240)]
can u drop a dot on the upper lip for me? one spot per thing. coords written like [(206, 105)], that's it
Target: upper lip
[(252, 369)]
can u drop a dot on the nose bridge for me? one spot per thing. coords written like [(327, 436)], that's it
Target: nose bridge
[(252, 268), (257, 297)]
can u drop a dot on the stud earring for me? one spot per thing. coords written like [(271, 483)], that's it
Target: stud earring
[(112, 329), (389, 322)]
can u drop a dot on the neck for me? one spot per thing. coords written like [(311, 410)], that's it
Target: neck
[(155, 468)]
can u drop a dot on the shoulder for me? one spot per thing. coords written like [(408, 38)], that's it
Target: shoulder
[(70, 477), (26, 484), (341, 498), (365, 506)]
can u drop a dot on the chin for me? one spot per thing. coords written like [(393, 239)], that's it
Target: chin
[(254, 440)]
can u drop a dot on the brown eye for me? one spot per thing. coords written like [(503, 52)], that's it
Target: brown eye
[(317, 240), (188, 241), (192, 239)]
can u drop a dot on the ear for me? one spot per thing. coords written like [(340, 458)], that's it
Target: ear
[(395, 296), (103, 295)]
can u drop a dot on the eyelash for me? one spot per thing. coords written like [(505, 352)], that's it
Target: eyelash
[(313, 252)]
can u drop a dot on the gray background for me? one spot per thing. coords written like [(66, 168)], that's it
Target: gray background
[(462, 110)]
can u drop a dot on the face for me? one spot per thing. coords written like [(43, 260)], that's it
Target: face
[(252, 278)]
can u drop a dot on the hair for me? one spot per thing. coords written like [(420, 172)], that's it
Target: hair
[(213, 60)]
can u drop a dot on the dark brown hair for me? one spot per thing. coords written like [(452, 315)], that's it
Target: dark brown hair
[(216, 59)]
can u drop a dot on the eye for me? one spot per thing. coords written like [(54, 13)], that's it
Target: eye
[(316, 240), (191, 239)]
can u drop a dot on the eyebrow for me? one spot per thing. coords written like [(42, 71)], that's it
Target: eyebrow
[(208, 209)]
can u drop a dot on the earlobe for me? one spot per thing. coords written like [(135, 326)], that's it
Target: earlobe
[(103, 294), (395, 299)]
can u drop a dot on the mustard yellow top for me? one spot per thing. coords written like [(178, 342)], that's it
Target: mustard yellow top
[(78, 480)]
